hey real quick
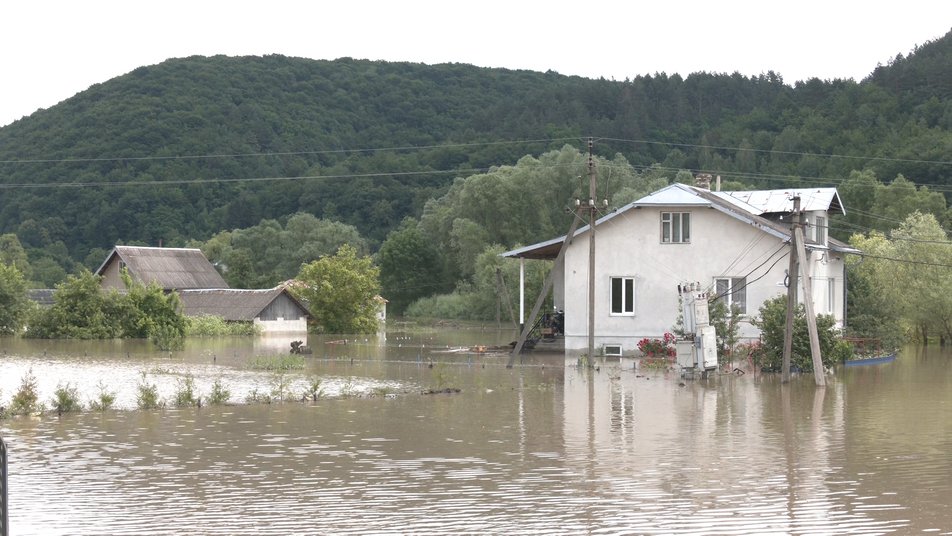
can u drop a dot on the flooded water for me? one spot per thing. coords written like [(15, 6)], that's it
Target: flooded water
[(542, 448)]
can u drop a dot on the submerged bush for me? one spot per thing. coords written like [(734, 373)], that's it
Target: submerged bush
[(220, 394), (277, 363), (215, 326), (66, 399), (185, 392), (105, 400), (147, 396), (26, 400)]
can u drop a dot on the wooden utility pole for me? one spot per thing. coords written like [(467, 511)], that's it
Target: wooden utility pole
[(798, 258), (819, 373), (591, 252), (791, 293)]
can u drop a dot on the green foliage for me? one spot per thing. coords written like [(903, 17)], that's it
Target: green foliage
[(185, 395), (314, 389), (220, 394), (147, 394), (26, 401), (266, 254), (83, 310), (340, 291), (15, 306), (66, 399), (216, 326), (411, 267), (277, 363), (914, 293), (104, 400), (151, 313), (772, 322), (273, 104)]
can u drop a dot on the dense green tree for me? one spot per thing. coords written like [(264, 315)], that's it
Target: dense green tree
[(268, 253), (80, 310), (12, 253), (902, 282), (14, 304), (151, 313), (411, 267), (341, 291)]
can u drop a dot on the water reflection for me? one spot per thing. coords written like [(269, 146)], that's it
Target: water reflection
[(545, 448)]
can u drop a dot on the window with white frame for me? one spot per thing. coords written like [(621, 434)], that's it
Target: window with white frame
[(820, 233), (675, 227), (733, 290), (623, 296)]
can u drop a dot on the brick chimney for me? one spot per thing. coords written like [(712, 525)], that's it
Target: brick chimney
[(703, 180)]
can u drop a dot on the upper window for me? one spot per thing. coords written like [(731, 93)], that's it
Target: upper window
[(675, 227), (733, 290), (820, 233), (623, 296)]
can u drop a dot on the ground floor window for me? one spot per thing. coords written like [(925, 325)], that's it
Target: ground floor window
[(623, 296), (733, 290)]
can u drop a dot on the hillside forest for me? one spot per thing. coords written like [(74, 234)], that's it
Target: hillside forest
[(267, 163)]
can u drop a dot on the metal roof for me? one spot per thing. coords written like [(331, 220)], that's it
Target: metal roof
[(170, 268), (748, 207), (781, 201)]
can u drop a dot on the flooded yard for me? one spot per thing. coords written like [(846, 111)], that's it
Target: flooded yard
[(545, 447)]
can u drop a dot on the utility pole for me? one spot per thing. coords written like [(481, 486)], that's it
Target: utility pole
[(591, 252), (798, 250), (818, 373), (791, 293)]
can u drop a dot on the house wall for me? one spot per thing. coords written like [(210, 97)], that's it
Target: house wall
[(282, 307), (110, 275), (281, 325), (629, 245)]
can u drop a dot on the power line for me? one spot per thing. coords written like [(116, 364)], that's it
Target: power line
[(284, 153)]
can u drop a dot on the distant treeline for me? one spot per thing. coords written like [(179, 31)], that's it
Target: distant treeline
[(190, 148)]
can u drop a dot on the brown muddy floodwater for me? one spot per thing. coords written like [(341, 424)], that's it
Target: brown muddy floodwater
[(542, 448)]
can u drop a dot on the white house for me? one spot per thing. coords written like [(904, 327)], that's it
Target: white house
[(735, 244)]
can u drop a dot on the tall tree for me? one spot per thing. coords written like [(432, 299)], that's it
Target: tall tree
[(14, 304), (341, 291)]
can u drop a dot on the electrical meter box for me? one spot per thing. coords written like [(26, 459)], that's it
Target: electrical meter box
[(686, 354), (708, 348)]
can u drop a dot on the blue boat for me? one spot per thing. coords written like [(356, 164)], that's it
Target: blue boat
[(875, 360)]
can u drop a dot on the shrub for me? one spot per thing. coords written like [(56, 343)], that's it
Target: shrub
[(219, 394), (314, 388), (772, 323), (66, 399), (277, 363), (147, 396), (216, 326), (26, 401), (105, 400), (185, 392)]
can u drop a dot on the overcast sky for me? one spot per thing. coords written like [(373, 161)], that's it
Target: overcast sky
[(49, 51)]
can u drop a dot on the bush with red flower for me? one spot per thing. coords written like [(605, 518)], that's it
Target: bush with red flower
[(663, 347)]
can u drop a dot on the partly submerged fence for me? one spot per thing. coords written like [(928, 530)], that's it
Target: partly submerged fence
[(4, 518)]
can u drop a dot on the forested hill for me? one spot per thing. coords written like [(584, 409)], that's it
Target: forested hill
[(189, 147)]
